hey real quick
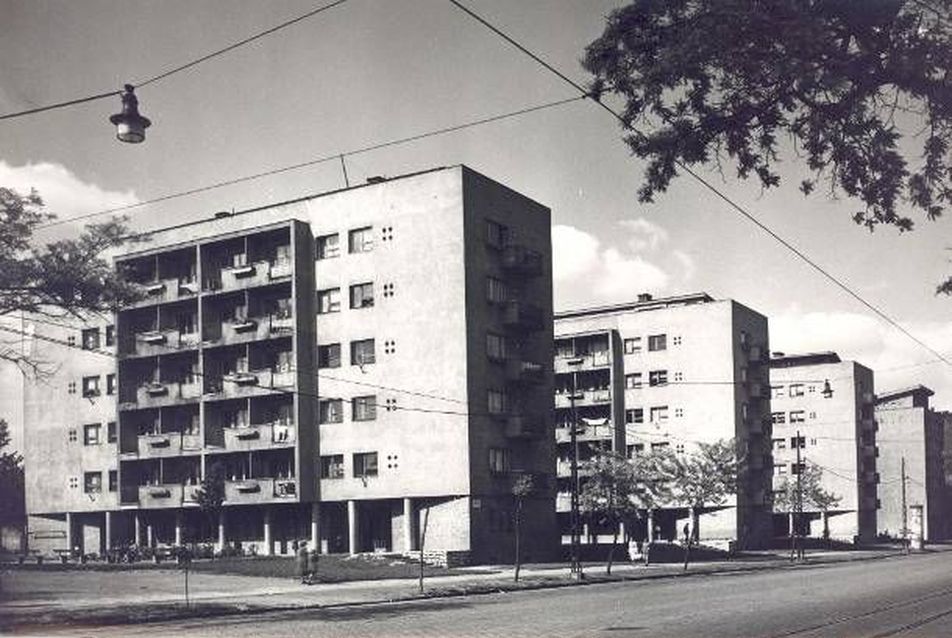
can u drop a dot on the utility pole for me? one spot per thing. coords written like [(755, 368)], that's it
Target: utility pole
[(576, 567), (798, 510), (905, 522)]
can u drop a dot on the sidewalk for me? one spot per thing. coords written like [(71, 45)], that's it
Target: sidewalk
[(33, 598)]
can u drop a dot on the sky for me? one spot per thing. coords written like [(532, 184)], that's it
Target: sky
[(369, 71)]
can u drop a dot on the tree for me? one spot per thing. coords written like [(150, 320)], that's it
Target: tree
[(522, 488), (850, 86), (12, 497), (65, 278), (705, 478), (210, 494), (814, 496), (617, 490)]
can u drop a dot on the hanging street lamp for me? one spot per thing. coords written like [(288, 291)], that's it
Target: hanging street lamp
[(130, 125)]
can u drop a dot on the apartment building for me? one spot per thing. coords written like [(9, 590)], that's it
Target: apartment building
[(358, 365), (824, 406), (668, 372), (911, 439)]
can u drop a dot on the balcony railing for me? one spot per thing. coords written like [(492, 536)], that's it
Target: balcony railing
[(525, 371), (164, 290), (160, 495), (257, 273), (259, 490), (518, 259), (168, 444), (589, 360), (156, 342), (236, 331), (156, 394), (253, 383), (583, 398), (262, 435), (585, 432)]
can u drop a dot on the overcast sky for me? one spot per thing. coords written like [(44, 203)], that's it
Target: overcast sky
[(373, 70)]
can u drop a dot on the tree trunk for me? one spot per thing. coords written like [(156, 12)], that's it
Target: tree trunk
[(611, 551), (695, 525), (518, 535)]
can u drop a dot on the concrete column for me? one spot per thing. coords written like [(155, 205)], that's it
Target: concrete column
[(268, 545), (352, 527), (149, 537), (107, 531), (138, 528), (408, 525), (651, 537), (178, 528), (790, 526), (316, 526), (221, 529), (69, 531)]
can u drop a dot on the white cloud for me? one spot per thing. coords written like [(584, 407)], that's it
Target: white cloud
[(645, 235), (688, 265), (63, 193)]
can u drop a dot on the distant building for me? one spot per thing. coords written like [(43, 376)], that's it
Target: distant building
[(354, 363), (910, 433), (835, 432), (668, 372)]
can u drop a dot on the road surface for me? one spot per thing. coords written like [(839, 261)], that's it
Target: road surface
[(899, 596)]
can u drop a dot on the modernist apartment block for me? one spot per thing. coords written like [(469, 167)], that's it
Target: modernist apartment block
[(824, 406), (360, 366), (911, 437), (668, 372)]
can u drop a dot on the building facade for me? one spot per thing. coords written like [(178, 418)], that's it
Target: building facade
[(668, 372), (354, 365), (824, 406), (911, 440)]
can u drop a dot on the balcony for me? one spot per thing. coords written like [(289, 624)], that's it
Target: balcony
[(523, 316), (238, 331), (156, 394), (254, 383), (256, 437), (280, 269), (524, 427), (164, 291), (585, 433), (257, 273), (589, 360), (520, 371), (563, 502), (583, 398), (519, 260), (168, 444), (156, 342), (160, 495), (259, 490)]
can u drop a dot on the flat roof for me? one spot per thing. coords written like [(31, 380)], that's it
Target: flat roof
[(804, 359), (906, 391), (639, 305)]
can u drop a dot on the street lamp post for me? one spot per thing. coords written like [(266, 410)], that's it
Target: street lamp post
[(576, 568)]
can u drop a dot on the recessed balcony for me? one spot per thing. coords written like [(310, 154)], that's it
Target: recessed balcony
[(168, 444), (164, 291), (160, 495), (583, 398), (253, 383), (259, 490), (586, 361), (158, 342), (156, 394), (526, 372), (259, 436)]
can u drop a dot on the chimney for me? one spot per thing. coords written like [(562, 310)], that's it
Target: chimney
[(645, 297)]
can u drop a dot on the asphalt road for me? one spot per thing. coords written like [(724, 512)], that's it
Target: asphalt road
[(900, 596)]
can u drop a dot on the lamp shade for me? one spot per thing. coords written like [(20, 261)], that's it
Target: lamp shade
[(130, 125)]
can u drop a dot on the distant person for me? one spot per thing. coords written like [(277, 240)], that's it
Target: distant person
[(302, 564)]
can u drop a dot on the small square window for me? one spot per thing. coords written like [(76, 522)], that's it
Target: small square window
[(365, 464), (328, 355), (657, 342), (659, 414), (635, 415), (778, 418), (362, 295), (796, 389), (633, 345), (91, 339), (633, 381), (780, 444), (91, 434), (71, 435), (327, 246), (91, 386), (110, 384), (658, 377), (328, 301), (330, 411), (361, 240), (332, 466), (92, 482), (797, 416), (362, 352), (364, 408)]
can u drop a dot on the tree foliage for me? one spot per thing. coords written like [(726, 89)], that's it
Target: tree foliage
[(858, 88), (12, 498), (210, 494), (815, 496), (707, 476), (522, 488), (64, 278)]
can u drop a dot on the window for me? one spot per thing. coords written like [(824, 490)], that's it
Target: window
[(776, 391), (659, 413), (743, 375), (659, 446), (328, 301), (658, 377), (328, 356), (332, 467), (364, 408), (186, 323), (744, 338), (797, 416), (797, 469), (71, 341), (111, 434), (796, 389), (635, 415), (327, 246), (113, 480), (497, 401), (498, 460), (633, 381), (497, 235), (362, 352), (633, 345), (71, 435), (657, 342), (71, 387), (365, 464), (796, 442), (779, 469), (778, 418), (330, 411), (362, 295), (91, 434), (496, 290), (635, 450), (495, 346), (91, 386), (780, 444), (361, 240), (92, 482), (91, 339), (110, 336), (110, 384)]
